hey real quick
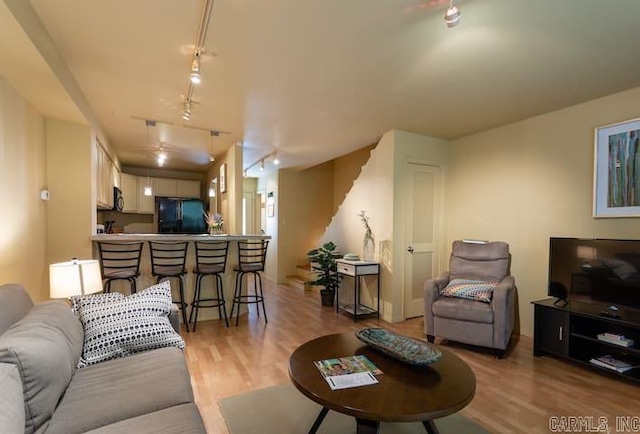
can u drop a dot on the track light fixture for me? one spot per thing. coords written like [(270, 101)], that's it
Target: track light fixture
[(276, 161), (273, 157), (261, 165), (452, 16), (195, 69), (186, 114)]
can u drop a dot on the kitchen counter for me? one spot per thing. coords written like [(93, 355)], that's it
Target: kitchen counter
[(146, 279), (176, 237)]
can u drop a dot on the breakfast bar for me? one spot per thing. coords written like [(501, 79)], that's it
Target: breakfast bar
[(146, 279)]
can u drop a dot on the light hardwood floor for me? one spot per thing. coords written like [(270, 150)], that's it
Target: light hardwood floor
[(517, 394)]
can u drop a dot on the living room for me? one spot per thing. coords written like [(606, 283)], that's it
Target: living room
[(522, 183)]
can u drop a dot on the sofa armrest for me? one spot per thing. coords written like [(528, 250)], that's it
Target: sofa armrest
[(503, 304), (432, 288), (174, 317)]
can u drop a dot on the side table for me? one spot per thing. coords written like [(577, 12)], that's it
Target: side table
[(357, 270)]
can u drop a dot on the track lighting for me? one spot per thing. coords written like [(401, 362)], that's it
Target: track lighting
[(452, 16), (261, 165), (195, 70), (186, 114), (276, 161)]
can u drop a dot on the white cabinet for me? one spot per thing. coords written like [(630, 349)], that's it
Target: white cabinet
[(105, 179), (188, 189), (135, 201), (166, 187), (129, 187), (146, 204)]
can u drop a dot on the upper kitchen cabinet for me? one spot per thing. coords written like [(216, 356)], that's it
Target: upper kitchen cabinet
[(166, 187), (188, 189), (177, 188), (106, 179), (129, 187)]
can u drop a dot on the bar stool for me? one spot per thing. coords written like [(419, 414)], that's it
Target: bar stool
[(251, 259), (168, 260), (211, 260), (120, 261)]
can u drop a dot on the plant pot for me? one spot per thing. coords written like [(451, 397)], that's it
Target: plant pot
[(327, 296)]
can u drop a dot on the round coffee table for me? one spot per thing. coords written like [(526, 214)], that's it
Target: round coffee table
[(404, 393)]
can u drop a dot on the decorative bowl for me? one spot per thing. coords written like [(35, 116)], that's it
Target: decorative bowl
[(399, 347)]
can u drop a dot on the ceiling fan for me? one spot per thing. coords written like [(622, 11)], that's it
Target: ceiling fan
[(164, 151)]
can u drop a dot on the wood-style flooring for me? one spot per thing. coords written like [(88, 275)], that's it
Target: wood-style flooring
[(517, 394)]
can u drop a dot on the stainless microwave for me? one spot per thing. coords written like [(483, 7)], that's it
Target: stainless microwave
[(118, 200)]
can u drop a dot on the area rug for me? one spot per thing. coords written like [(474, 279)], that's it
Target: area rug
[(284, 410)]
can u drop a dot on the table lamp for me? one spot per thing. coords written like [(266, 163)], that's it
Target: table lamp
[(76, 277)]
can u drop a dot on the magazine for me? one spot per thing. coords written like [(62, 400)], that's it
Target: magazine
[(612, 363), (350, 371)]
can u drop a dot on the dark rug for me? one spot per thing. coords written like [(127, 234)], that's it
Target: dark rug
[(284, 410)]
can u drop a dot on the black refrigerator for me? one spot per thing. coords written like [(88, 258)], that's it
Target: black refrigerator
[(180, 216)]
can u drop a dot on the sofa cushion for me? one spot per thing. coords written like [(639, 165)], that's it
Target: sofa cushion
[(14, 304), (183, 419), (90, 299), (120, 389), (12, 418), (463, 310), (45, 345), (118, 327), (478, 290)]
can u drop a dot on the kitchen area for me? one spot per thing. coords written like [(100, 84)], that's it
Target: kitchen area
[(151, 205)]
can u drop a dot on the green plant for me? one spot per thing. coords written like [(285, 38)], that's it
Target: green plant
[(323, 262)]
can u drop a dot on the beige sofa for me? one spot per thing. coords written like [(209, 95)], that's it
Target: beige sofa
[(44, 392)]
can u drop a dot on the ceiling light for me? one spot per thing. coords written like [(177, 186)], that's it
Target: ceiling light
[(276, 161), (452, 16), (261, 165), (195, 70), (148, 191)]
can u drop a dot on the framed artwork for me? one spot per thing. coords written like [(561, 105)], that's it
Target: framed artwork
[(616, 181), (222, 180)]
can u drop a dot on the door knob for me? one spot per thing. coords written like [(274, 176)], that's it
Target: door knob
[(410, 249)]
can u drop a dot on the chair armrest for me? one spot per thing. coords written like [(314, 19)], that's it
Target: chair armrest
[(174, 317), (432, 289), (503, 304)]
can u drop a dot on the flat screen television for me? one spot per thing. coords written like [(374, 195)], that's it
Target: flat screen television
[(604, 271)]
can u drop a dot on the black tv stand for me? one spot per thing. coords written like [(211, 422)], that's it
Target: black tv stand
[(571, 332)]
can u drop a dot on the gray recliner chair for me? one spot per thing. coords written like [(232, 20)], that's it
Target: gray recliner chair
[(481, 323)]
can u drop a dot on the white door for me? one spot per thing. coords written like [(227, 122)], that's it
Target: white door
[(424, 233)]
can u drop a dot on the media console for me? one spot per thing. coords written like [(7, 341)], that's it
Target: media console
[(571, 332)]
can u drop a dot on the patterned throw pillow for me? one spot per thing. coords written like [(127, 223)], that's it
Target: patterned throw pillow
[(479, 290), (121, 326)]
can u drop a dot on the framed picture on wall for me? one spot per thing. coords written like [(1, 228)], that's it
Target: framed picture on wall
[(222, 180), (616, 189)]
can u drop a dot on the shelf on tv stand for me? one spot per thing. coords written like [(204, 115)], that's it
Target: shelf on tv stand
[(570, 332)]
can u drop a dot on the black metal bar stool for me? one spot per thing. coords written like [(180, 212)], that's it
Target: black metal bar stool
[(211, 260), (251, 259), (168, 260), (120, 261)]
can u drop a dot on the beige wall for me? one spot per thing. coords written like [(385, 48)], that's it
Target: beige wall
[(23, 226), (267, 184), (345, 170), (70, 178), (229, 204), (305, 204), (531, 180)]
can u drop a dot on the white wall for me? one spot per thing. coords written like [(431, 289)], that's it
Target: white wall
[(22, 176), (269, 183), (531, 180)]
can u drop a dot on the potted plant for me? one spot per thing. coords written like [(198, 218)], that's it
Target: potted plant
[(323, 262)]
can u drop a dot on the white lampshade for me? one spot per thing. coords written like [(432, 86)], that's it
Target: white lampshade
[(76, 277)]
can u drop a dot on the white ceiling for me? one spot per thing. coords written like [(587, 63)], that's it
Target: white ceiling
[(312, 79)]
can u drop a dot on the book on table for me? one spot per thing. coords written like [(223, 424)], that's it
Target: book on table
[(350, 371), (612, 363)]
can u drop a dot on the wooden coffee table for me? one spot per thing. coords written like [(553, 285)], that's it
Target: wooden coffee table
[(404, 393)]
